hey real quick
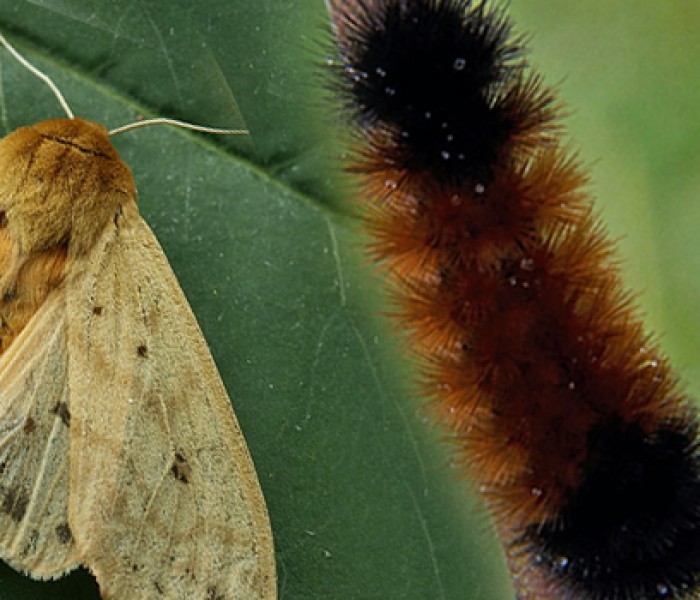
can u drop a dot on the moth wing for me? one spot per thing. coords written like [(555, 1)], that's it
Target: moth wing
[(34, 445), (164, 497)]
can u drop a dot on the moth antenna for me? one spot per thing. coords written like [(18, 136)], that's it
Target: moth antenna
[(176, 123), (124, 128), (41, 75)]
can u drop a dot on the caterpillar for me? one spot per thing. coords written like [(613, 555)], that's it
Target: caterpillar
[(571, 422)]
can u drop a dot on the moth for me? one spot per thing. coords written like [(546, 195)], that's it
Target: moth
[(119, 449)]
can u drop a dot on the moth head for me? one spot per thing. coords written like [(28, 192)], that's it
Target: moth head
[(63, 184)]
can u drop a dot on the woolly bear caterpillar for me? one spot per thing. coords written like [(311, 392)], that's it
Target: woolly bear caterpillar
[(569, 417), (119, 449)]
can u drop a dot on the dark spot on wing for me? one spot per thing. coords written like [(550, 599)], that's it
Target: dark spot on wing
[(3, 219), (142, 351), (64, 534), (29, 425), (14, 503), (9, 295), (29, 548), (97, 310), (2, 467), (60, 409), (180, 469), (214, 594), (159, 587)]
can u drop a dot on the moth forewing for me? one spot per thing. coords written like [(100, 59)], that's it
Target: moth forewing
[(35, 536), (163, 492)]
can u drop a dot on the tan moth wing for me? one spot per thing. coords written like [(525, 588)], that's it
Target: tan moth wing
[(164, 500), (34, 443)]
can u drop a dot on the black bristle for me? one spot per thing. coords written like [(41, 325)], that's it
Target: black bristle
[(437, 77), (631, 531)]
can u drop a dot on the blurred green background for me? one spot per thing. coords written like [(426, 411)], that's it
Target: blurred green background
[(364, 499)]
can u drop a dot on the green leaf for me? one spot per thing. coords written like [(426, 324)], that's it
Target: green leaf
[(364, 500)]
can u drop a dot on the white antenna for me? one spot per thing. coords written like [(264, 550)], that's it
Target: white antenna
[(176, 123), (43, 76), (146, 122)]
